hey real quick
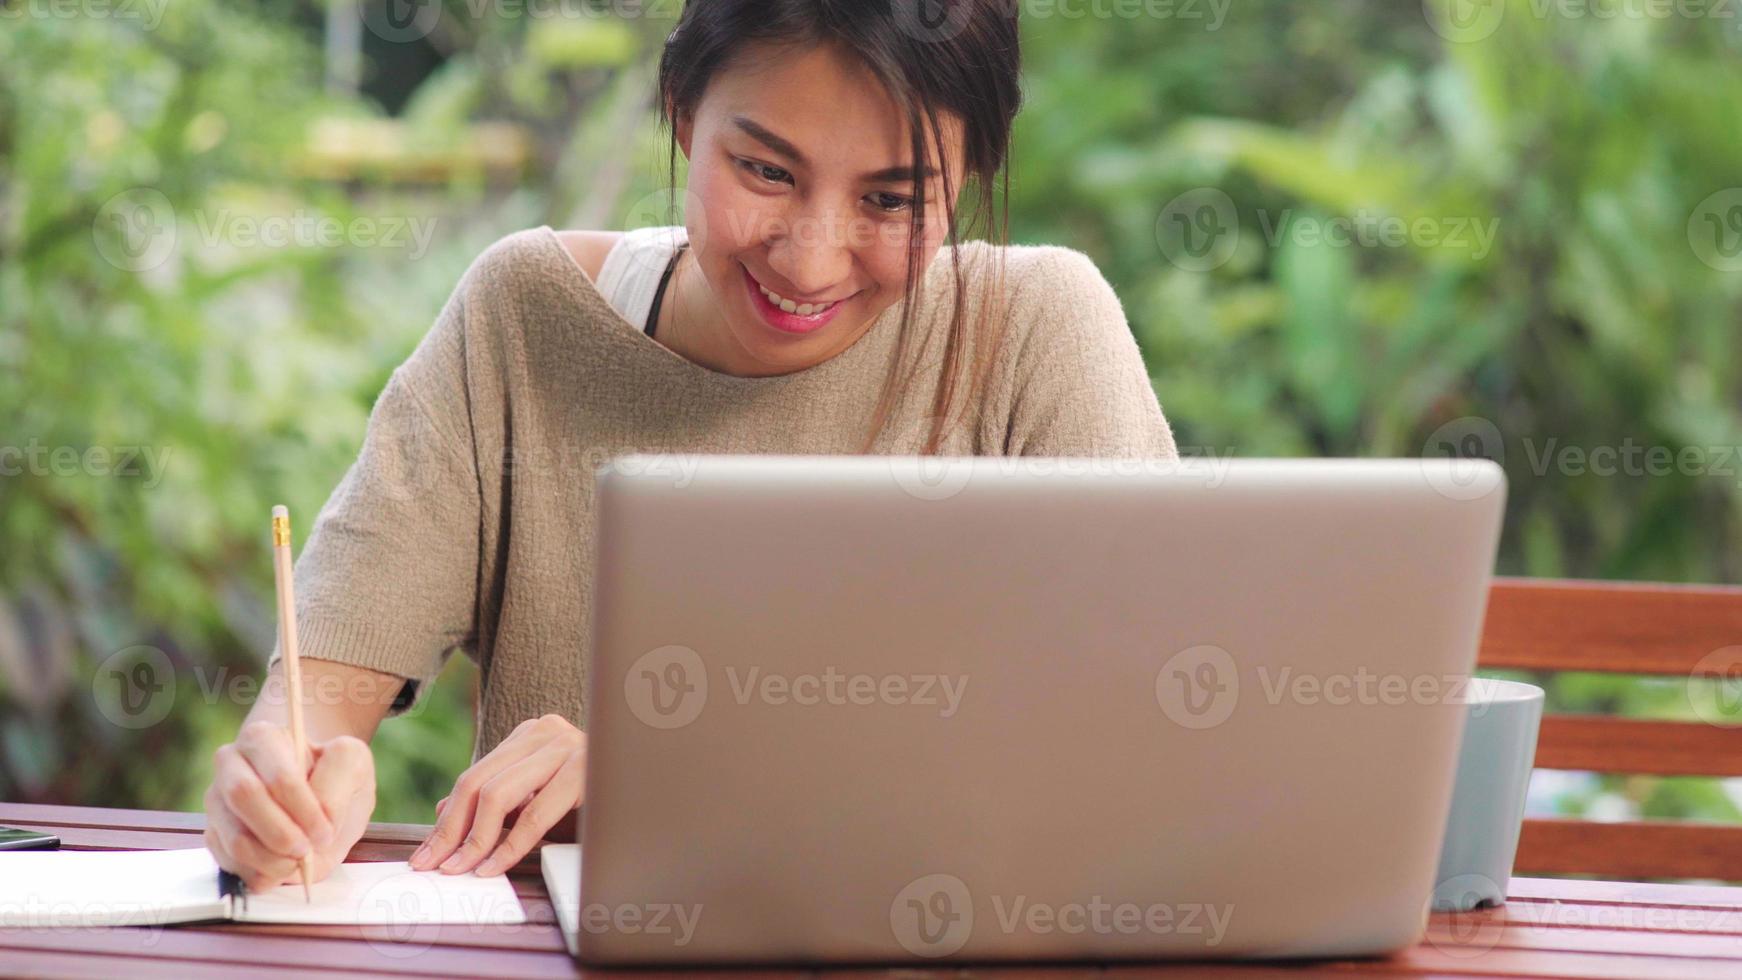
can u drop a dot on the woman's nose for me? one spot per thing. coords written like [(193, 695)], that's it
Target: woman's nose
[(815, 255)]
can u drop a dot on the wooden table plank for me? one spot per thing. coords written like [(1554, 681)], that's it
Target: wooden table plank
[(17, 814), (1501, 931), (1532, 914), (1626, 893), (1425, 959), (80, 965), (91, 816)]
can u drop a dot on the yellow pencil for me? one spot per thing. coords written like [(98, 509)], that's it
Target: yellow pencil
[(281, 573)]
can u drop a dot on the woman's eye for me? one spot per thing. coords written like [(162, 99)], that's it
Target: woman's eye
[(766, 172), (770, 174), (892, 203)]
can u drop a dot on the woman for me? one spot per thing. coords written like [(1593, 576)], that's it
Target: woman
[(817, 300)]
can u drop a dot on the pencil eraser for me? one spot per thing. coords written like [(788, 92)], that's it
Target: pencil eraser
[(281, 511)]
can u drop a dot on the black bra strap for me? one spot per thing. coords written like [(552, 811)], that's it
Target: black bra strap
[(659, 293)]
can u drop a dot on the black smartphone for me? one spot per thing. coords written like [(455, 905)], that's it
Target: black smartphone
[(14, 839)]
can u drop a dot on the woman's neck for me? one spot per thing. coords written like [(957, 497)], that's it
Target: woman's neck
[(689, 321), (692, 326)]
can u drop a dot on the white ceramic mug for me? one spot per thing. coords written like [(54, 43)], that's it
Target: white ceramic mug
[(1494, 764)]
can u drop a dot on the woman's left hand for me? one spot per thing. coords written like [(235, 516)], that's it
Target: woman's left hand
[(537, 776)]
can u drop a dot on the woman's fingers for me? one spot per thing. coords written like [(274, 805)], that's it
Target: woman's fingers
[(241, 792), (270, 751), (456, 817), (265, 812), (508, 790), (558, 799), (214, 841), (343, 780), (244, 854), (343, 770)]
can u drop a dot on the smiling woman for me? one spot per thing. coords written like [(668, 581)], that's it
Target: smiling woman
[(819, 136), (818, 300)]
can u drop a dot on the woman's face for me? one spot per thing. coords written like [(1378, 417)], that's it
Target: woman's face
[(799, 187)]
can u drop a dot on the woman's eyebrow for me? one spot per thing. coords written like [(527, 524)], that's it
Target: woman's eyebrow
[(763, 135)]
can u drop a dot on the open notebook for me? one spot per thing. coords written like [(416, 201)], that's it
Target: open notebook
[(48, 889), (561, 864)]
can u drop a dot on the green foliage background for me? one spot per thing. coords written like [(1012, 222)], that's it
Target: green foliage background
[(1599, 317)]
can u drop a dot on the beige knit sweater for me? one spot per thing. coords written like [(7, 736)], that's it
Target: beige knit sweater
[(467, 520)]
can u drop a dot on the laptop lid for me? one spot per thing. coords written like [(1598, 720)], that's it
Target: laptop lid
[(862, 709)]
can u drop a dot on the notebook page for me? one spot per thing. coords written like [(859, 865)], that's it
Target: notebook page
[(561, 864), (388, 893), (57, 889)]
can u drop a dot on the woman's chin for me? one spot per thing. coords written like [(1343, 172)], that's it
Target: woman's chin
[(778, 352)]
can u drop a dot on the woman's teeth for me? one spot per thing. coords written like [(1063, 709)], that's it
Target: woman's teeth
[(802, 309)]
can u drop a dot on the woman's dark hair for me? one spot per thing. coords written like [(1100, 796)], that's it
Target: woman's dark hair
[(957, 57)]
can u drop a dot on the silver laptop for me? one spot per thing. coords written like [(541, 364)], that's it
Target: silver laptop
[(897, 709)]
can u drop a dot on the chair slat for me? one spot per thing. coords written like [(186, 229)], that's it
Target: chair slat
[(1649, 849), (1616, 627), (1629, 745)]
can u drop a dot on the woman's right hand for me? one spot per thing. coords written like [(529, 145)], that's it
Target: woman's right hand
[(264, 812)]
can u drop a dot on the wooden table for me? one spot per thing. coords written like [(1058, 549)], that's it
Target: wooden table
[(1550, 928)]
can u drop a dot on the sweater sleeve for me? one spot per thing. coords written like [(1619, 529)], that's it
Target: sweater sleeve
[(388, 577), (1080, 386)]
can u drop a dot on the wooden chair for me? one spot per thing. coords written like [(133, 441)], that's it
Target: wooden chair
[(1622, 628)]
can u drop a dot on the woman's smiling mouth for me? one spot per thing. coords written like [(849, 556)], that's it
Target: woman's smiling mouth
[(786, 315)]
